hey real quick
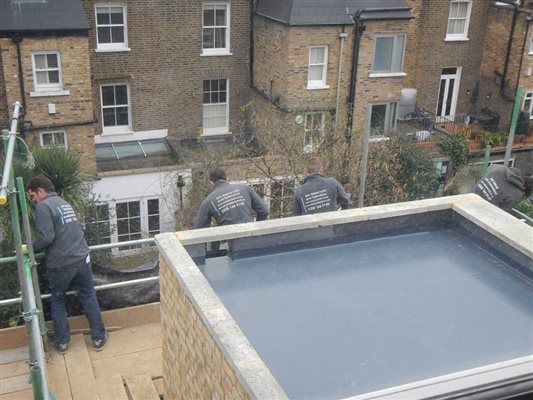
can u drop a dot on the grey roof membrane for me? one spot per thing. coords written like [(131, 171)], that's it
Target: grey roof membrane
[(330, 12), (24, 16), (347, 319)]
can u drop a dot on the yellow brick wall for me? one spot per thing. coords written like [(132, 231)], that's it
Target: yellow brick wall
[(74, 112), (193, 365)]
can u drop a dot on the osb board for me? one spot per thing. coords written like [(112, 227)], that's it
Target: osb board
[(125, 317), (142, 388), (14, 355), (80, 371), (128, 340), (147, 362), (112, 388)]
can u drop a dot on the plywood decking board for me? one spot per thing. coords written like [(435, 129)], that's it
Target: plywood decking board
[(158, 383), (13, 355), (58, 379), (20, 395), (80, 370), (112, 387), (147, 362), (14, 369), (14, 384), (142, 388), (129, 340)]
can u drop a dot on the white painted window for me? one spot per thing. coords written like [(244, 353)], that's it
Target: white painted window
[(54, 139), (528, 103), (134, 220), (215, 106), (459, 19), (314, 130), (111, 28), (531, 45), (216, 29), (98, 228), (115, 108), (47, 71), (382, 118), (318, 65), (388, 53)]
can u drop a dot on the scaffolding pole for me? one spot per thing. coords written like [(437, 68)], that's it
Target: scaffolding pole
[(30, 314)]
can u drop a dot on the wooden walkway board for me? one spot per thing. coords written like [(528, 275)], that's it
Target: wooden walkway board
[(13, 369), (58, 379), (148, 362), (20, 395), (112, 388), (14, 384), (142, 388), (80, 370), (14, 355)]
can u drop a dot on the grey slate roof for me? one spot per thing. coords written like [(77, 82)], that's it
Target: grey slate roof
[(51, 16), (329, 12)]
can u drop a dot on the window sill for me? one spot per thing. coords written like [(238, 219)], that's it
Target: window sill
[(216, 53), (387, 74), (117, 131), (456, 39), (112, 50), (50, 93), (220, 133), (317, 86)]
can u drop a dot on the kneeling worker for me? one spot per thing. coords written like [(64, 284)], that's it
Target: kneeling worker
[(504, 187), (318, 193), (229, 203)]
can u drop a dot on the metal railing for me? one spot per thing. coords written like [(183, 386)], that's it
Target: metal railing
[(16, 300)]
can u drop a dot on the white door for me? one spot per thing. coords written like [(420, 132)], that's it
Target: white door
[(448, 93)]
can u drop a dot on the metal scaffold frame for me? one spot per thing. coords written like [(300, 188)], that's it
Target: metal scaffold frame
[(12, 192)]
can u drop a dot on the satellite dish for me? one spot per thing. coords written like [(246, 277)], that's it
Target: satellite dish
[(299, 119)]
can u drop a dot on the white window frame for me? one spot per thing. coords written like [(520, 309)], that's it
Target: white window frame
[(64, 144), (144, 228), (396, 70), (318, 84), (531, 45), (309, 145), (47, 89), (528, 97), (388, 118), (464, 34), (117, 46), (120, 129), (221, 51), (222, 130)]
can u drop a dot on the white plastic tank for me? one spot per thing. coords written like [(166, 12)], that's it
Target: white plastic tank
[(407, 102)]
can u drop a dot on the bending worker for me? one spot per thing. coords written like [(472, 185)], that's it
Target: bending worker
[(318, 193), (229, 203), (67, 259), (504, 186)]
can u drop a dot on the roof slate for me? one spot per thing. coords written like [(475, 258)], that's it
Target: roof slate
[(329, 12), (23, 16)]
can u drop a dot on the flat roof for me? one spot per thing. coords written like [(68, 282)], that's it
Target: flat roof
[(343, 320)]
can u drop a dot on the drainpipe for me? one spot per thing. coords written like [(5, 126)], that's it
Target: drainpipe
[(17, 39), (509, 46), (251, 59), (529, 18), (342, 36), (359, 28)]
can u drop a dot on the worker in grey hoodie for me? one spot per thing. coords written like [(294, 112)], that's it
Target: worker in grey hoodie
[(318, 193), (229, 203), (60, 235), (503, 186)]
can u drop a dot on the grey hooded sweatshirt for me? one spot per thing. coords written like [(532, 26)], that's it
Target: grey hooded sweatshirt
[(230, 204), (58, 232), (319, 194), (503, 187)]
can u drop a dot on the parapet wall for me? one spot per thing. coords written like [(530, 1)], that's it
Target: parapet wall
[(193, 365)]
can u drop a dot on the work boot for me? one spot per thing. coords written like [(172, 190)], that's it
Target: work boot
[(100, 343), (60, 347)]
